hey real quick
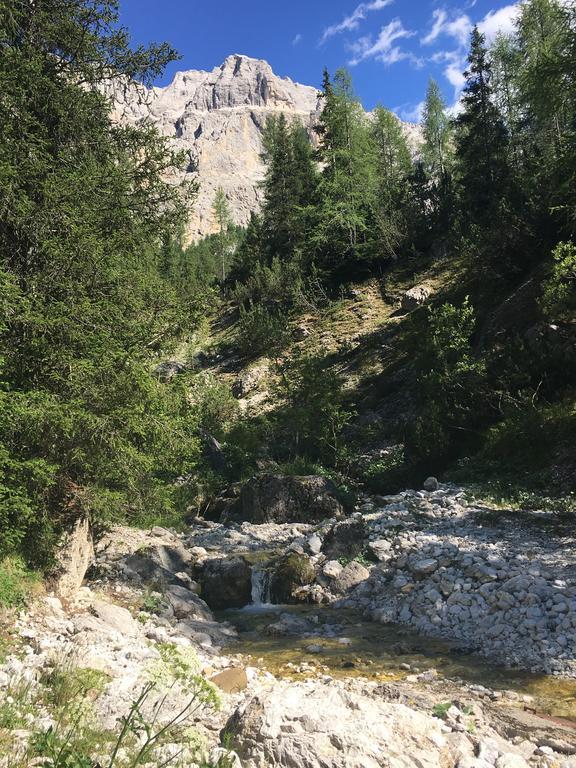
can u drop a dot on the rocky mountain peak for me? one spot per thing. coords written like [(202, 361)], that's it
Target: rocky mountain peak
[(219, 117)]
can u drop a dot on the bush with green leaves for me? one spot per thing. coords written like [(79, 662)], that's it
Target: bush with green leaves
[(17, 582), (559, 298), (452, 382), (315, 411)]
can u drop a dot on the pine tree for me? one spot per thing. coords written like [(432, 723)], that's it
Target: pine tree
[(223, 243), (546, 82), (346, 187), (393, 168), (85, 427), (481, 142), (438, 161)]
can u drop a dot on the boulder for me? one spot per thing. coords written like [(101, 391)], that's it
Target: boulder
[(345, 539), (231, 680), (226, 582), (167, 370), (158, 563), (75, 556), (271, 498), (291, 573), (415, 297), (351, 575), (185, 604), (116, 618), (316, 725), (431, 484)]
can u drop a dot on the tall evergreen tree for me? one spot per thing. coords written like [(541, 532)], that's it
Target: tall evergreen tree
[(223, 241), (438, 160), (547, 87), (288, 186), (347, 182), (481, 141), (84, 425), (393, 168)]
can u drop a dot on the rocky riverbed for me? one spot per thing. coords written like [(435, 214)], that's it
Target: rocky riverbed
[(347, 673)]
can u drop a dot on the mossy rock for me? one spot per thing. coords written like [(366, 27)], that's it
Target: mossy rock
[(292, 572)]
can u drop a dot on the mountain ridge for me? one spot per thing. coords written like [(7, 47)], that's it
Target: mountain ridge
[(219, 117)]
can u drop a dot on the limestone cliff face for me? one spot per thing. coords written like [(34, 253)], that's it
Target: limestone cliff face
[(219, 117)]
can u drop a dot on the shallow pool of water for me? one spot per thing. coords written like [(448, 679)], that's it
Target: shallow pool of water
[(357, 648)]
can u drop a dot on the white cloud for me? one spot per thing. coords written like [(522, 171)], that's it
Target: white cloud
[(458, 27), (411, 113), (297, 39), (352, 22), (502, 21), (383, 48)]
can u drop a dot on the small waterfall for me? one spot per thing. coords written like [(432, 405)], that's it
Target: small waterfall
[(260, 586)]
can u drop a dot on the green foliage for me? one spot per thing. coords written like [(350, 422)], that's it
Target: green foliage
[(481, 142), (452, 380), (86, 216), (386, 474), (315, 413), (16, 582), (215, 407), (559, 298), (261, 330), (441, 710)]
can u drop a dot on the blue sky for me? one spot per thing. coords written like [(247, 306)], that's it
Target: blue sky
[(391, 47)]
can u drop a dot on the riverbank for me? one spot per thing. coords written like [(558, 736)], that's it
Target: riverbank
[(319, 683)]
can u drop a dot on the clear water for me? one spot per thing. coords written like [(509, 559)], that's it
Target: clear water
[(375, 651)]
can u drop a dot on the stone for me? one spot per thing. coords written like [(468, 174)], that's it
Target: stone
[(315, 544), (226, 582), (317, 725), (185, 603), (292, 572), (425, 566), (168, 369), (272, 498), (415, 297), (332, 569), (346, 539), (351, 575), (231, 680), (74, 557), (224, 757), (249, 380), (488, 750), (511, 760), (116, 618), (431, 484), (381, 549), (158, 563)]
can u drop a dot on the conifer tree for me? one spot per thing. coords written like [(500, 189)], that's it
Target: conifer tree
[(438, 160), (223, 241), (346, 187), (481, 141), (393, 168)]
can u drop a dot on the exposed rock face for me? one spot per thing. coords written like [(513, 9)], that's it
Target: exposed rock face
[(280, 499), (74, 558), (226, 582), (345, 539), (219, 116), (326, 726)]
